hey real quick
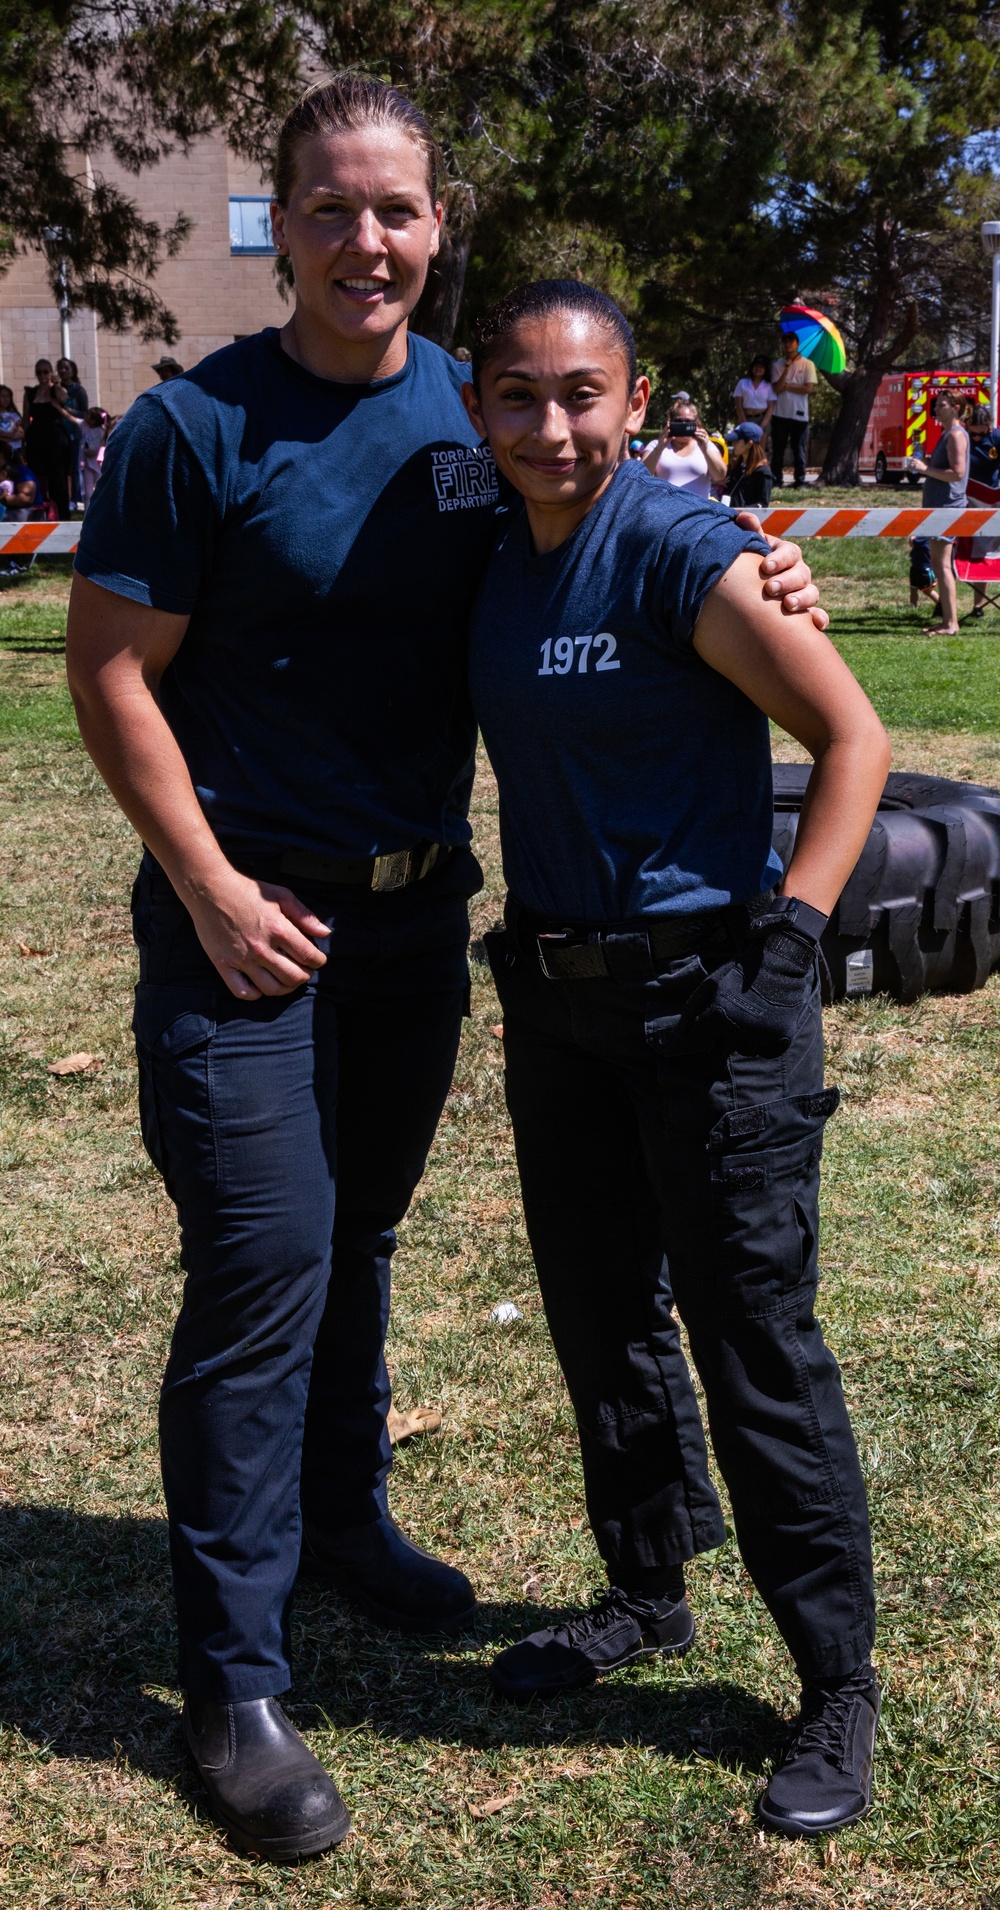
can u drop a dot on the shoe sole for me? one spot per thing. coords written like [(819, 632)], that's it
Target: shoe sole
[(518, 1695), (785, 1827), (355, 1595), (283, 1850)]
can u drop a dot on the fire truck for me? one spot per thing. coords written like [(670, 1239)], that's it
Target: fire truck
[(901, 425)]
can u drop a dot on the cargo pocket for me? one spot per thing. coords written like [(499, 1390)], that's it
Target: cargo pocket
[(764, 1202), (174, 1028)]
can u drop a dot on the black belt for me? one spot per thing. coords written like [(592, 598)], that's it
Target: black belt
[(395, 871), (579, 954)]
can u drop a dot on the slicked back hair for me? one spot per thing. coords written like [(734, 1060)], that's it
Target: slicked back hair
[(542, 299), (346, 104)]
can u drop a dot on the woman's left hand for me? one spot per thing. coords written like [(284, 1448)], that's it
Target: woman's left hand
[(786, 574)]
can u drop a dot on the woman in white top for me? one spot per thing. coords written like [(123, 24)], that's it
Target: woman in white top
[(684, 454), (754, 396)]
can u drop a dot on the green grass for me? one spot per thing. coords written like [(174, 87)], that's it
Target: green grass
[(638, 1795)]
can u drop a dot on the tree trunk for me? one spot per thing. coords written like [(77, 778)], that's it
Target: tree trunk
[(440, 301), (857, 392)]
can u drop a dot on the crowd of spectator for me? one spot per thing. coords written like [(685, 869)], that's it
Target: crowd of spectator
[(771, 402), (50, 449)]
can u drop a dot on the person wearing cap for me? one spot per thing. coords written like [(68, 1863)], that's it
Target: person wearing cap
[(750, 475), (167, 368), (636, 447)]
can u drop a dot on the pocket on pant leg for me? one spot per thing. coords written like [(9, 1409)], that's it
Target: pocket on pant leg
[(174, 1028), (764, 1202)]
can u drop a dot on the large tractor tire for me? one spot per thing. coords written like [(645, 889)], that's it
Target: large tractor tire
[(921, 910)]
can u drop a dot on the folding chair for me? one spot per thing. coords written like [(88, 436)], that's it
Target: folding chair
[(985, 572)]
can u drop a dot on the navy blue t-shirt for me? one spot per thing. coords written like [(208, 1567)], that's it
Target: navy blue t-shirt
[(634, 780), (984, 459), (327, 541)]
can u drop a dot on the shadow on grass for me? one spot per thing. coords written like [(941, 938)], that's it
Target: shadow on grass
[(351, 1674), (86, 1616), (54, 649)]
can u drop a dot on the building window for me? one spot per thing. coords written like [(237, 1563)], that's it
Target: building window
[(250, 225)]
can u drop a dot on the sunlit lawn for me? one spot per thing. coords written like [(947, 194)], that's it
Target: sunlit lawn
[(640, 1793)]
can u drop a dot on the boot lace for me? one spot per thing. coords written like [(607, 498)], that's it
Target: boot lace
[(825, 1718)]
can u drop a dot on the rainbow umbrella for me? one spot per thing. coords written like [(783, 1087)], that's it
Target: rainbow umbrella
[(819, 338)]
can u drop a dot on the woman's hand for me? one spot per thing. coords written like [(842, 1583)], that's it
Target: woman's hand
[(787, 576), (257, 935)]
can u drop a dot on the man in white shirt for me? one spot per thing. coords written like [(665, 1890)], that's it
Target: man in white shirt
[(793, 378)]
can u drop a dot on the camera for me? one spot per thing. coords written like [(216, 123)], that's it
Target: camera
[(681, 428)]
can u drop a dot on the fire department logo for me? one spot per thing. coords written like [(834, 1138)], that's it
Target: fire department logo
[(464, 480)]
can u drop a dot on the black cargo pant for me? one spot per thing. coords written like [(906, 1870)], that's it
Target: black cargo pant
[(651, 1175)]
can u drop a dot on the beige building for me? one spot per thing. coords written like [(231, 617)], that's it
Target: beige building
[(220, 286)]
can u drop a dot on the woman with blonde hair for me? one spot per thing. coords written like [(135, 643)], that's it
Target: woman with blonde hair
[(684, 454)]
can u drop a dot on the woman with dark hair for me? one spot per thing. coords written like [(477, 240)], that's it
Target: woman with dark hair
[(659, 979), (754, 395), (946, 475), (267, 651), (48, 435), (77, 405)]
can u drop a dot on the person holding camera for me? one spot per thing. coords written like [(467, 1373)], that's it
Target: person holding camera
[(684, 454)]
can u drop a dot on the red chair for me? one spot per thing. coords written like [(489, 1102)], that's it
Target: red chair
[(985, 572)]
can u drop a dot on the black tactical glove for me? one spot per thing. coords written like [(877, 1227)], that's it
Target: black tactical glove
[(756, 1002)]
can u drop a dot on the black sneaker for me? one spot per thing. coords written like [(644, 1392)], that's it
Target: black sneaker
[(825, 1781), (618, 1630)]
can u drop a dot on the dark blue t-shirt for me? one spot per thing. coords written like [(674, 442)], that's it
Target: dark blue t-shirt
[(327, 541), (984, 459), (634, 780)]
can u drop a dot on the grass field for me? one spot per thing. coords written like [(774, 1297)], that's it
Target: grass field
[(639, 1794)]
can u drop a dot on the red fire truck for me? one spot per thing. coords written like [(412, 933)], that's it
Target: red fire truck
[(901, 425)]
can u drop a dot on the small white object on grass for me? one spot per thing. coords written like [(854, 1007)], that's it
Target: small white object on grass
[(505, 1311)]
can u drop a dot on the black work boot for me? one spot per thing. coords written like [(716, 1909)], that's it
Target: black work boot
[(379, 1571), (267, 1789), (619, 1629), (825, 1781)]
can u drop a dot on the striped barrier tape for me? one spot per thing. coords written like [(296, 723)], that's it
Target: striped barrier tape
[(805, 522), (24, 540)]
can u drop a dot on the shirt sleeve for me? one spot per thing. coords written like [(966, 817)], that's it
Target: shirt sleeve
[(698, 549), (812, 376), (151, 524)]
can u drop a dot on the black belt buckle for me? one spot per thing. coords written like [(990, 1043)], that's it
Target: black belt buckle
[(564, 958)]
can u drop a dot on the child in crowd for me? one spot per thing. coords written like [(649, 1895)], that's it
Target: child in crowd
[(93, 435), (921, 573), (11, 428)]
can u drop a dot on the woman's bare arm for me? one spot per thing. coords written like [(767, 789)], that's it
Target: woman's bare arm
[(116, 652), (793, 673)]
